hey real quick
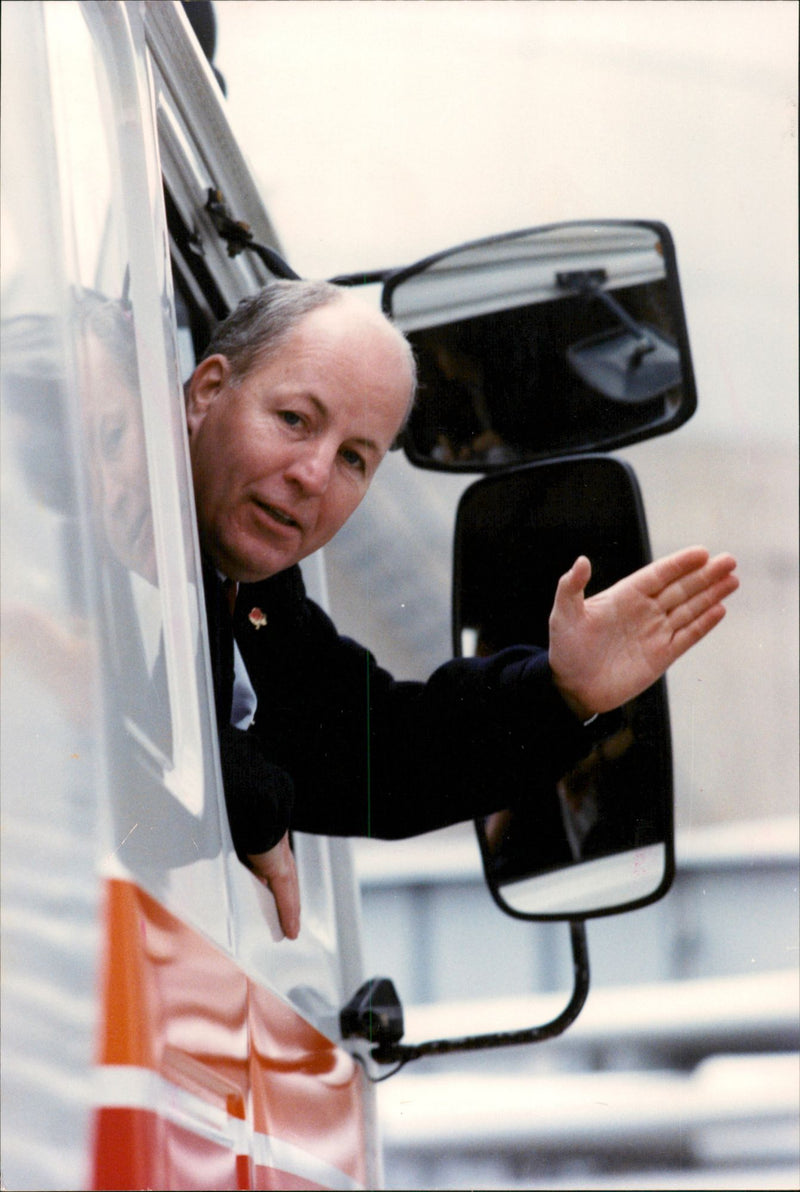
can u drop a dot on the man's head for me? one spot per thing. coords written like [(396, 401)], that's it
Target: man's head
[(296, 401), (112, 409)]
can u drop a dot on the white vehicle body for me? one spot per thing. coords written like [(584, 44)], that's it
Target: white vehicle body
[(158, 1032)]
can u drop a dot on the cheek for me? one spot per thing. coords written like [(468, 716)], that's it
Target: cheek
[(237, 452), (207, 447), (343, 502), (203, 477)]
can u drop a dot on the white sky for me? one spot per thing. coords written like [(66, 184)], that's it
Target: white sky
[(382, 130)]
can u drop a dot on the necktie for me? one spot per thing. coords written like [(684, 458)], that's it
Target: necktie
[(230, 588)]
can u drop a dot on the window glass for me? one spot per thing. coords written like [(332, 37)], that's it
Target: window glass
[(164, 824), (104, 318)]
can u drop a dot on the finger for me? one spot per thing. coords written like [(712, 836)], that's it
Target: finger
[(686, 615), (699, 598), (286, 891), (689, 636), (717, 571), (282, 877), (656, 578), (277, 870)]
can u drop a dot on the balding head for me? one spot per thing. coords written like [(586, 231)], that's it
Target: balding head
[(263, 322), (286, 437)]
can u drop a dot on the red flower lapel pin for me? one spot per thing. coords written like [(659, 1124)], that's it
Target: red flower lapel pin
[(256, 618)]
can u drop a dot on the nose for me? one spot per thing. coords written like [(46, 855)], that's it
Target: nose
[(311, 467)]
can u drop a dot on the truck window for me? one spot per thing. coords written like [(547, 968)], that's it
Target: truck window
[(165, 825), (109, 386)]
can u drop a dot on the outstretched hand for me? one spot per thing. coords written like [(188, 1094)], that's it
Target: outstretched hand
[(607, 649), (276, 869)]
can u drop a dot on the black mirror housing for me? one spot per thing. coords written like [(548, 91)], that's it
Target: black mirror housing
[(600, 841)]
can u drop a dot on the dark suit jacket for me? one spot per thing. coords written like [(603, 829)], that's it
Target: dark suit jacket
[(341, 748)]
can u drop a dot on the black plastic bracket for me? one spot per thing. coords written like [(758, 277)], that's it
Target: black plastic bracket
[(374, 1013), (237, 235)]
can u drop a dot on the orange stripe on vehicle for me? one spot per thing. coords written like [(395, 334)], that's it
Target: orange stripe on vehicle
[(178, 1006)]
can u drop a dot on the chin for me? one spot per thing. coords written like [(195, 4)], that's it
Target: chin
[(253, 571)]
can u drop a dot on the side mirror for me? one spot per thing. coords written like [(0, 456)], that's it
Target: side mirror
[(544, 343), (600, 840)]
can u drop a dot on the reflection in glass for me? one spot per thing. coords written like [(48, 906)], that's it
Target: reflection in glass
[(115, 433), (504, 387), (100, 322), (611, 881), (87, 369), (588, 842), (122, 512), (537, 344)]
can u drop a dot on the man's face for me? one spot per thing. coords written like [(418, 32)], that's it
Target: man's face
[(281, 459), (120, 487)]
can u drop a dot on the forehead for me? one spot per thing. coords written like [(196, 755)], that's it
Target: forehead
[(350, 330), (348, 357)]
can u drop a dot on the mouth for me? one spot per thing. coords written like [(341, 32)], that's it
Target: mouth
[(278, 515), (137, 529)]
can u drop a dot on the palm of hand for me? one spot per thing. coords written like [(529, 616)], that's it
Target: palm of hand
[(609, 648)]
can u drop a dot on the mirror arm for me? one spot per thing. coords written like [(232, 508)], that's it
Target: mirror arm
[(402, 1053), (367, 278), (589, 282), (238, 237)]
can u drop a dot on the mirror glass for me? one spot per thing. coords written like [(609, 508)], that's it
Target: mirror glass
[(598, 840), (544, 343)]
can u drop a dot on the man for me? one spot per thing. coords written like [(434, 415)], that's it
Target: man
[(301, 393)]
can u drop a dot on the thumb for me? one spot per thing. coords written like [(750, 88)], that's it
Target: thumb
[(572, 584)]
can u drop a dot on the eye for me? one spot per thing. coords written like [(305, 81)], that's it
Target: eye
[(290, 418), (353, 459)]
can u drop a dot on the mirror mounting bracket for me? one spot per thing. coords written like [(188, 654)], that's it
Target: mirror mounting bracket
[(389, 1052), (590, 282), (367, 277), (238, 237)]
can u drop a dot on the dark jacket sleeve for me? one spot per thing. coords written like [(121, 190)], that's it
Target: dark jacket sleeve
[(371, 756), (258, 794)]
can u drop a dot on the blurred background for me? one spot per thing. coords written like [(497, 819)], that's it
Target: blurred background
[(381, 132)]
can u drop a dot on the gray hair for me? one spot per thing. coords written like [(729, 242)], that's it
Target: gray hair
[(263, 322)]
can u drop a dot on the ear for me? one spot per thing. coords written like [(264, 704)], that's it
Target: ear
[(203, 388)]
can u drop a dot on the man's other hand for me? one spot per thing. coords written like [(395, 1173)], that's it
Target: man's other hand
[(277, 870), (607, 649)]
